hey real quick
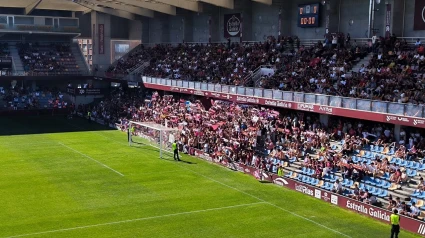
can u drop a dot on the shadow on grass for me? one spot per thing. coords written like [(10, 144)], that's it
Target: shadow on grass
[(181, 161), (27, 125)]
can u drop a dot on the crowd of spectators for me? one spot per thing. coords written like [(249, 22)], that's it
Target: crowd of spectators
[(270, 140), (17, 98), (395, 72), (48, 59)]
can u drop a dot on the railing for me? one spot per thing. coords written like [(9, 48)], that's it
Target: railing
[(411, 110), (42, 28), (64, 73)]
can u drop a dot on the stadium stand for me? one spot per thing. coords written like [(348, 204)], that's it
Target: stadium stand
[(25, 98), (364, 157), (48, 59)]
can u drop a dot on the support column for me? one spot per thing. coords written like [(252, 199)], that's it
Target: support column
[(145, 31), (397, 129), (101, 35), (397, 17), (332, 16), (324, 119)]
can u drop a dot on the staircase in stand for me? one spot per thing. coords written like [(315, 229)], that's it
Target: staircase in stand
[(79, 58), (364, 61), (137, 70), (18, 67)]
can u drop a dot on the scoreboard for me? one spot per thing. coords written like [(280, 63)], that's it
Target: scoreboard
[(308, 15)]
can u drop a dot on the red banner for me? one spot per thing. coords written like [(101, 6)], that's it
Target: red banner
[(93, 39), (388, 21), (407, 223), (101, 39), (337, 111), (419, 18)]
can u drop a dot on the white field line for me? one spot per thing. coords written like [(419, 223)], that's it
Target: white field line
[(269, 203), (88, 157), (253, 196), (52, 143), (134, 220)]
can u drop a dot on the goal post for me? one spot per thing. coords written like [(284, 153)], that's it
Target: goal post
[(153, 134)]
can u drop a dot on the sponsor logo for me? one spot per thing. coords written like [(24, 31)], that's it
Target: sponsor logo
[(303, 189), (418, 122), (175, 89), (334, 199), (217, 95), (421, 229), (327, 110), (394, 118), (391, 118), (233, 26), (280, 182), (317, 193), (82, 91), (199, 92), (325, 197), (305, 107), (373, 212), (247, 99), (278, 103)]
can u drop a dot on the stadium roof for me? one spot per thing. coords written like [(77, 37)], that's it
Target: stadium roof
[(123, 8)]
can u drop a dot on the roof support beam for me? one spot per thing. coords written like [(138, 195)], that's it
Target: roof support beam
[(114, 12), (185, 4), (126, 8), (88, 10), (268, 2), (230, 4), (32, 6), (164, 8)]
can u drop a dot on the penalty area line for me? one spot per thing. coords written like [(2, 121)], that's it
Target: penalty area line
[(135, 220), (88, 157)]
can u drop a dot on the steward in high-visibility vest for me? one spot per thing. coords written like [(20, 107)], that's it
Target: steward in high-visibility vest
[(176, 151), (395, 224)]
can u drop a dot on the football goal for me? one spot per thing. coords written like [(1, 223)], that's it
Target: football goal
[(153, 134)]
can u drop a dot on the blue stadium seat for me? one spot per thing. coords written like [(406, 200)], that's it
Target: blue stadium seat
[(383, 193)]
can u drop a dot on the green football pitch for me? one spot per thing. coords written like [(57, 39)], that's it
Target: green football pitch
[(71, 178)]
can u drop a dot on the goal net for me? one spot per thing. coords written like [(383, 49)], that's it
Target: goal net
[(153, 134)]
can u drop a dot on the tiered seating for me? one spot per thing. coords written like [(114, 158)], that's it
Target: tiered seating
[(231, 63), (381, 187), (24, 99), (48, 59)]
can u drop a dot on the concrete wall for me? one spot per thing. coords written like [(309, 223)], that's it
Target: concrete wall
[(119, 27), (135, 30), (409, 19), (260, 21), (265, 20), (85, 24), (158, 28)]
